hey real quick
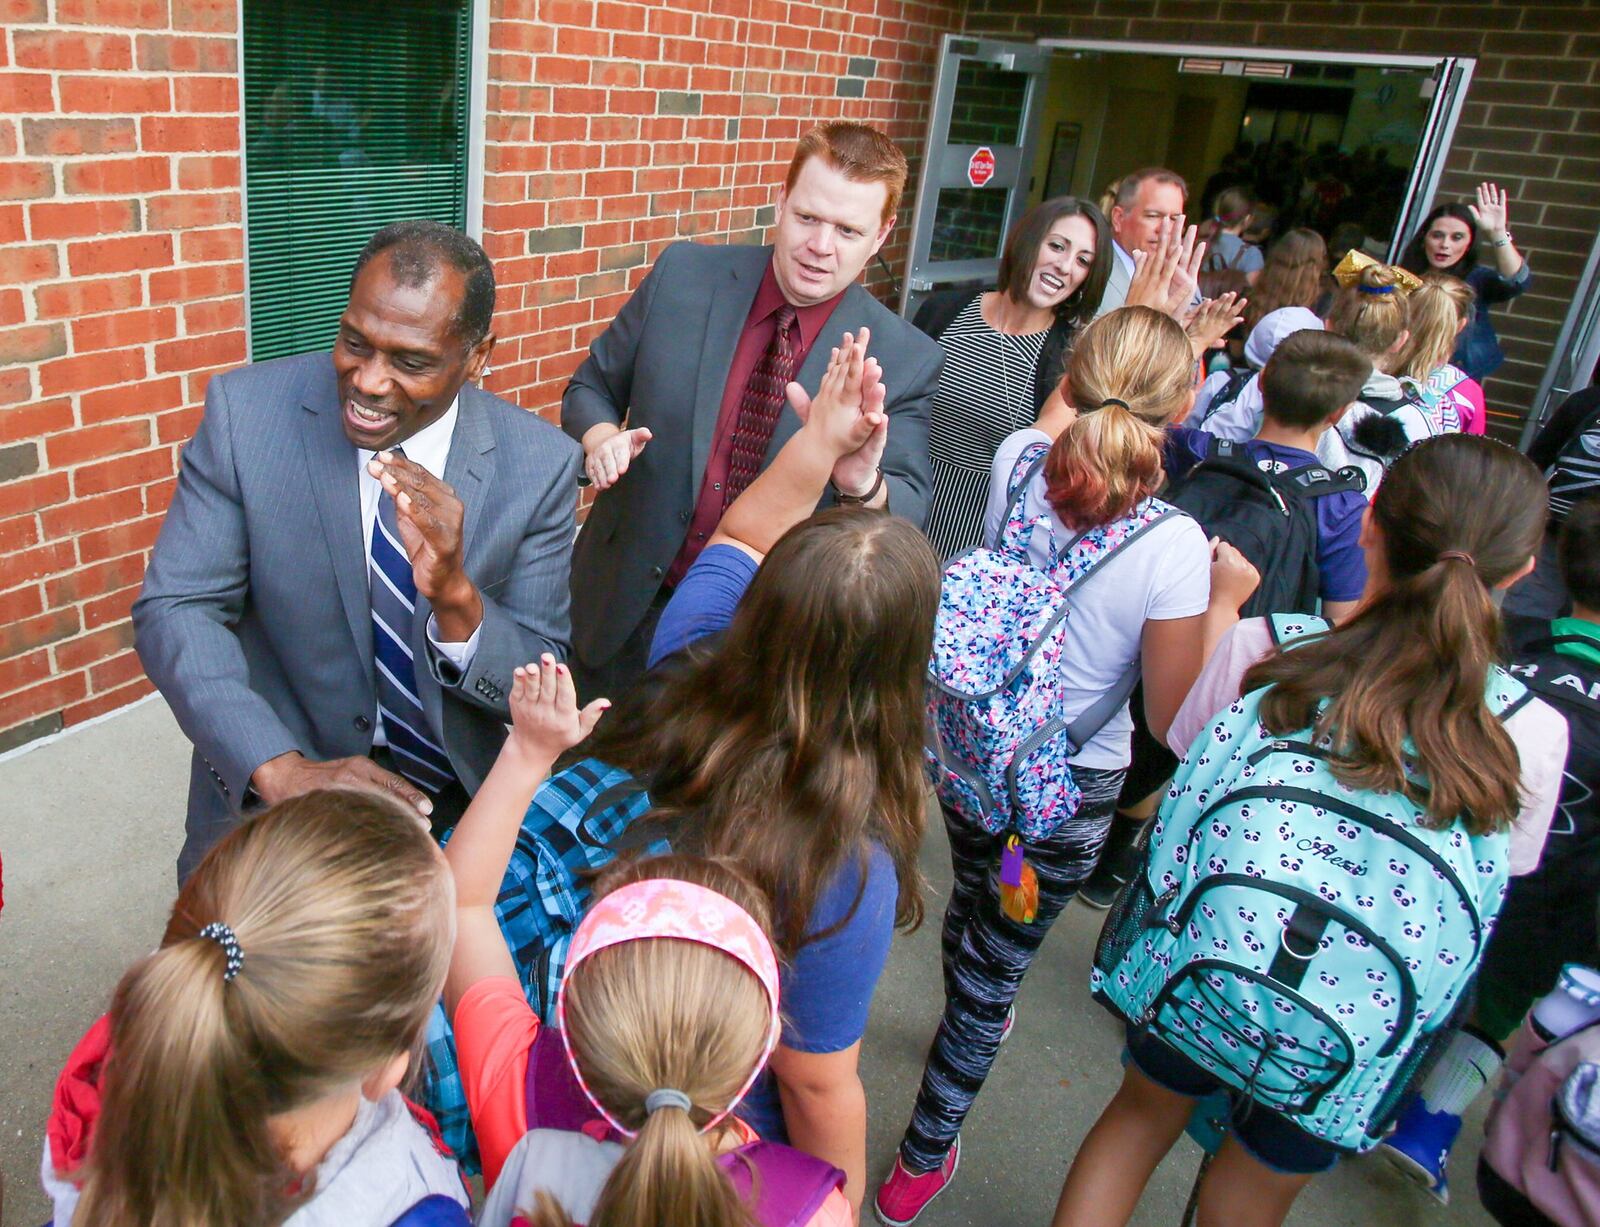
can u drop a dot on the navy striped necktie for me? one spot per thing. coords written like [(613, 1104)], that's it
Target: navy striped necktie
[(412, 741)]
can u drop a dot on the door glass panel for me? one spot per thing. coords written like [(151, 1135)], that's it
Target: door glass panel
[(988, 105), (968, 224)]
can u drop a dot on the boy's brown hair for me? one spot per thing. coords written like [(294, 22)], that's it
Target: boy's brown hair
[(1310, 377)]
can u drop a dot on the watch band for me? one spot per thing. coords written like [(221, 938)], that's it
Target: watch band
[(857, 500)]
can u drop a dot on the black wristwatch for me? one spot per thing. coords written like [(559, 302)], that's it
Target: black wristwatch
[(857, 500)]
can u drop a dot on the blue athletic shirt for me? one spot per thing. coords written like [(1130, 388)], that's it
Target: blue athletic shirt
[(1341, 565), (827, 990)]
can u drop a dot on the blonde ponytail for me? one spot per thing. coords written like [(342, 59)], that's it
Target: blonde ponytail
[(341, 906), (1434, 314), (1371, 314), (1131, 374)]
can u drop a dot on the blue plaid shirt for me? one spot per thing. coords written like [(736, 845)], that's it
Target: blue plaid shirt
[(568, 831)]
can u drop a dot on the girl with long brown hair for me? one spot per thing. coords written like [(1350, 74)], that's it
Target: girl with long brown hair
[(1130, 376), (248, 1070), (1290, 277), (621, 1116), (1397, 694)]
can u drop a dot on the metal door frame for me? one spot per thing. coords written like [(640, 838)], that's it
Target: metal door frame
[(953, 49), (1577, 349)]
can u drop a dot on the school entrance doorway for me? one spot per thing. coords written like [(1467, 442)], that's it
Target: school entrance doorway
[(1343, 141)]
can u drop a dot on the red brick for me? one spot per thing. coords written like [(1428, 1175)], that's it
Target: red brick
[(187, 134), (120, 539), (90, 582), (8, 137), (42, 560), (96, 646), (35, 343), (67, 138), (197, 95), (30, 421), (214, 315), (75, 219), (115, 671), (92, 442), (547, 70), (219, 349), (33, 493), (132, 400), (24, 634), (81, 515), (110, 701), (205, 173), (192, 211), (134, 470), (20, 671), (51, 696), (18, 533), (21, 265), (120, 255), (195, 382), (91, 371), (116, 177), (68, 299), (120, 331), (158, 495), (186, 53), (26, 91), (111, 608), (207, 281), (26, 180), (13, 227), (71, 51), (179, 425), (18, 604), (119, 95), (211, 16), (145, 14)]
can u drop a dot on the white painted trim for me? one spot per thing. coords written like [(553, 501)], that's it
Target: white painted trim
[(477, 115), (1225, 52), (30, 747)]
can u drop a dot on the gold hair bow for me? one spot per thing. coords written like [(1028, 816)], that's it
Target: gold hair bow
[(1350, 268)]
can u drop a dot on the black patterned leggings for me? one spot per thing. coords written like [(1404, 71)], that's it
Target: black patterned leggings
[(986, 954)]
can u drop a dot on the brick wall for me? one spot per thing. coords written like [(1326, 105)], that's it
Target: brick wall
[(1531, 121), (613, 128), (121, 281)]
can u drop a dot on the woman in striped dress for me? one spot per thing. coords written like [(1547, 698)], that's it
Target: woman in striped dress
[(1005, 351)]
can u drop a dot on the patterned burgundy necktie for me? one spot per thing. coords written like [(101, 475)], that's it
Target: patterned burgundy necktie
[(761, 404)]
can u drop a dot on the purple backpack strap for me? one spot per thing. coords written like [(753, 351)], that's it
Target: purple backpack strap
[(553, 1097), (788, 1185)]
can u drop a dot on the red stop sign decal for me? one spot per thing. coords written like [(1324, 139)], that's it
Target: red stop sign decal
[(980, 166)]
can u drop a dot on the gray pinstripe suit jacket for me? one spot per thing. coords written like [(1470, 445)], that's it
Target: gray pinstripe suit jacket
[(254, 619)]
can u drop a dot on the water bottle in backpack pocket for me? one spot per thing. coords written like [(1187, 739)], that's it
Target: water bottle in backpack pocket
[(1306, 942), (999, 739)]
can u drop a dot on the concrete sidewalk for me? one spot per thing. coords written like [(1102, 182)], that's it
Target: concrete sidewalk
[(89, 831)]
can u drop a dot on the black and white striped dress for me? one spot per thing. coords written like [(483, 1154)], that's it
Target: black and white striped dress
[(984, 394)]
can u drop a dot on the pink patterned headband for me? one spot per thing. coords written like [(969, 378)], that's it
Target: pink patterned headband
[(666, 907)]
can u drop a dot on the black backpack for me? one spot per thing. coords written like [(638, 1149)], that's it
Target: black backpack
[(1576, 471), (1268, 517)]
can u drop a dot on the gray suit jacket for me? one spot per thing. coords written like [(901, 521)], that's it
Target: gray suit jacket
[(254, 619), (663, 363), (1116, 287)]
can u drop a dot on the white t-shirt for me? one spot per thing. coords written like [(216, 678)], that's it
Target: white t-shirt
[(1537, 730), (1163, 575)]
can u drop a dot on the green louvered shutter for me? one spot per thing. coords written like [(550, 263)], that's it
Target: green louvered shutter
[(355, 116)]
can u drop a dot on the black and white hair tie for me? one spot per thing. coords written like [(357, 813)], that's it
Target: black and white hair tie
[(220, 933)]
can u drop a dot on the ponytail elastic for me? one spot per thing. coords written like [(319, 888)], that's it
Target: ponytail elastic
[(1376, 289), (1459, 556), (666, 1097), (1115, 400)]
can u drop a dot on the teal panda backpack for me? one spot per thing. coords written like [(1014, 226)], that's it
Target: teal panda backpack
[(1307, 943)]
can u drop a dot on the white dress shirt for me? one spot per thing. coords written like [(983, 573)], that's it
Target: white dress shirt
[(430, 448)]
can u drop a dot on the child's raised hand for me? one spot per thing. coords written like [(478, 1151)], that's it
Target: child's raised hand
[(545, 718), (1233, 577), (1214, 320), (848, 408)]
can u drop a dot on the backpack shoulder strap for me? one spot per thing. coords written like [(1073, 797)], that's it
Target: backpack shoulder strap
[(436, 1210), (1286, 628), (1506, 695), (787, 1186), (1314, 481), (1013, 535)]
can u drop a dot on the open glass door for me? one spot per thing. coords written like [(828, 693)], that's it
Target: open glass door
[(1576, 353), (976, 164), (1450, 80)]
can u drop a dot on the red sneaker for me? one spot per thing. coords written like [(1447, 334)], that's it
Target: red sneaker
[(904, 1195)]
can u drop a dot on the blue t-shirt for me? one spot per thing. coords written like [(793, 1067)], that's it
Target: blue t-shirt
[(827, 989), (1341, 565)]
